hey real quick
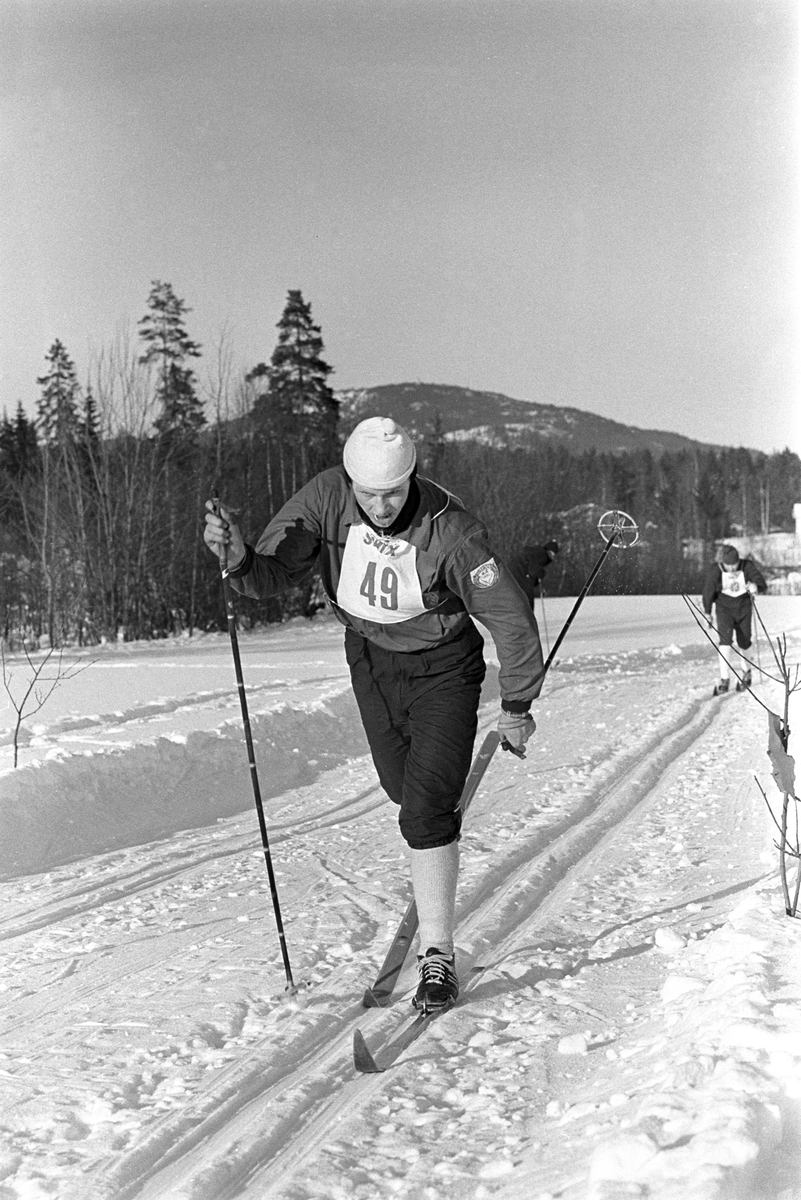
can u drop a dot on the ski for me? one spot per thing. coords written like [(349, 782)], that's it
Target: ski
[(366, 1064), (380, 994)]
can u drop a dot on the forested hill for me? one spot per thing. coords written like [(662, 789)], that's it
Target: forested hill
[(495, 418), (102, 495)]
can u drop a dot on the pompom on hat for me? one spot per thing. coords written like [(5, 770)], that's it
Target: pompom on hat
[(379, 454)]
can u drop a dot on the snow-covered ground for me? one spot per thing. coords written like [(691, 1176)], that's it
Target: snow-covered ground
[(630, 1019)]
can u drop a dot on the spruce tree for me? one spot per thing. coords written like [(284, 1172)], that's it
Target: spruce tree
[(27, 443), (169, 346), (57, 407), (20, 444), (90, 420), (297, 399), (8, 445)]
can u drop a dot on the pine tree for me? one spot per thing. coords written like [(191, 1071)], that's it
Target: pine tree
[(58, 404), (169, 346), (434, 447), (710, 495), (297, 397)]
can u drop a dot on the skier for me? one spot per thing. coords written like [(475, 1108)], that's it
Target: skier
[(530, 564), (729, 584), (405, 568)]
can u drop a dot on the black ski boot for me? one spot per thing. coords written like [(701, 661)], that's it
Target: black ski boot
[(720, 687), (745, 682), (438, 987)]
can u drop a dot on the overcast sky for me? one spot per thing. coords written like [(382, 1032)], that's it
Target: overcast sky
[(590, 203)]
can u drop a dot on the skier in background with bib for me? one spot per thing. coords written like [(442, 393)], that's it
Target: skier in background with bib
[(729, 585), (405, 569)]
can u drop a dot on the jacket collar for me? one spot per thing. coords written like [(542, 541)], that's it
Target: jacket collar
[(433, 500)]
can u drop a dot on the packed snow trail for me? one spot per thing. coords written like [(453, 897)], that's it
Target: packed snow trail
[(520, 904), (148, 1050)]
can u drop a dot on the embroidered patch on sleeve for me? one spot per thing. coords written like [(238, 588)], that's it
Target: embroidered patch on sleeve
[(486, 575)]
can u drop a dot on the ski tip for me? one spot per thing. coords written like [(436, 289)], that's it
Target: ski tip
[(363, 1060), (370, 1000)]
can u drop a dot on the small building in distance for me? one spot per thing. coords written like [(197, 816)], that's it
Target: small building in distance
[(779, 554)]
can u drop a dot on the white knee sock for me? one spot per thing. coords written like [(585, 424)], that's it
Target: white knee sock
[(434, 876), (726, 661)]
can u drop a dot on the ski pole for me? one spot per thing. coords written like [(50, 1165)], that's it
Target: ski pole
[(757, 623), (620, 526), (254, 778), (544, 622)]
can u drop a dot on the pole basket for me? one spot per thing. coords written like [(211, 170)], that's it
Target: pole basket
[(619, 528)]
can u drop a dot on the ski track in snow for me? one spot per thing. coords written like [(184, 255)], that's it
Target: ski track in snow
[(630, 1019)]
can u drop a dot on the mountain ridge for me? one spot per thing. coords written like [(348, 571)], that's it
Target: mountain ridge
[(497, 419)]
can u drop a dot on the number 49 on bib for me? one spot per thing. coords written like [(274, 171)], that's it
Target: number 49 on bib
[(388, 587)]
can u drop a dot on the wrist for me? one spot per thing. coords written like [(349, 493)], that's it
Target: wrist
[(242, 566)]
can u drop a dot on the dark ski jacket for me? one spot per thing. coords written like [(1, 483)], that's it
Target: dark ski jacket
[(406, 592), (736, 599), (528, 567)]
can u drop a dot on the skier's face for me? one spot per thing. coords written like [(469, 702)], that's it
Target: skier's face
[(382, 507), (731, 567)]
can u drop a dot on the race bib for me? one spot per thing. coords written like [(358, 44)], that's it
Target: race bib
[(732, 583), (378, 580)]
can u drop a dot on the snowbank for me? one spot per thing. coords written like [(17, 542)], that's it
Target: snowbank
[(67, 806)]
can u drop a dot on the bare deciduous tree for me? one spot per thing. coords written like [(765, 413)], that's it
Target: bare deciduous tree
[(36, 687), (788, 820)]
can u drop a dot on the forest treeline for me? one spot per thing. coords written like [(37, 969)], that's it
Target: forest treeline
[(102, 494)]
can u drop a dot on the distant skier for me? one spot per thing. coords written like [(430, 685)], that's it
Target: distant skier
[(530, 564), (405, 567), (729, 585)]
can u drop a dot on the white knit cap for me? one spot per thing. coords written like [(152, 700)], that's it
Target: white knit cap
[(379, 454)]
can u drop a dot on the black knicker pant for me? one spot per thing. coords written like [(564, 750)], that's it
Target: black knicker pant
[(419, 711), (736, 621)]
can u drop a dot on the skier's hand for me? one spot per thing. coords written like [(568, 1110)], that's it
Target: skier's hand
[(515, 730), (752, 587), (222, 535)]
